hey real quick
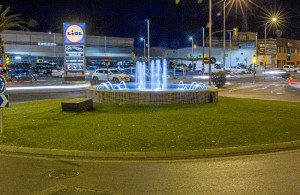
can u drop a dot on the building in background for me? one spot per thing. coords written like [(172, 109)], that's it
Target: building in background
[(43, 46)]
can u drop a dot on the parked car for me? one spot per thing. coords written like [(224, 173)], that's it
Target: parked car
[(297, 69), (181, 67), (291, 68), (114, 75), (57, 73), (43, 68), (237, 70), (21, 74), (130, 72), (90, 70)]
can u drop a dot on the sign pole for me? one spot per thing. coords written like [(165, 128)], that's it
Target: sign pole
[(3, 101), (1, 121)]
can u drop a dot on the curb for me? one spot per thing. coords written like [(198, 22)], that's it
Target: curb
[(167, 155)]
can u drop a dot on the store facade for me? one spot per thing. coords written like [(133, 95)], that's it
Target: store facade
[(32, 47)]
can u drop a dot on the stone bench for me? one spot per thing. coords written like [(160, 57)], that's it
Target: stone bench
[(77, 105)]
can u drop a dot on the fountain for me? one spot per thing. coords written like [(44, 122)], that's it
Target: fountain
[(152, 88)]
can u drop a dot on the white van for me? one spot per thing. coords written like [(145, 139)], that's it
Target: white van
[(217, 67)]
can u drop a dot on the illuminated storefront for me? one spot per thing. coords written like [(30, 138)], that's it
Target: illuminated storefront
[(43, 46)]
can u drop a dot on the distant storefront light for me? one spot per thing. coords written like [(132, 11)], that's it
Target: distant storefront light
[(47, 44)]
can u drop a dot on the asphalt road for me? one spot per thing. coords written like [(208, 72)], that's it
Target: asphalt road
[(265, 88), (37, 94), (273, 173), (278, 90)]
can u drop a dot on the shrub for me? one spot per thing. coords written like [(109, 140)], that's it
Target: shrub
[(218, 79)]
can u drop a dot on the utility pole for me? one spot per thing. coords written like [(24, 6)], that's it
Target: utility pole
[(224, 35), (209, 51), (148, 34), (203, 45)]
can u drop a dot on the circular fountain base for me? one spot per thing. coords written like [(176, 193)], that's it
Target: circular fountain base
[(152, 97)]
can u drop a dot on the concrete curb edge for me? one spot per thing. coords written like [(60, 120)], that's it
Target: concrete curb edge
[(190, 154)]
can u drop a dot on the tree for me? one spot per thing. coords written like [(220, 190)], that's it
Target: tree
[(8, 22), (133, 58)]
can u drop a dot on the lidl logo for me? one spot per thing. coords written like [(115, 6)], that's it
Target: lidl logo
[(74, 33)]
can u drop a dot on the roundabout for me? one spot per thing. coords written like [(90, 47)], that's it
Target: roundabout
[(155, 91)]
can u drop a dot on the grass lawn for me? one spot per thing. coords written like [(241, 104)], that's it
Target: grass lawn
[(230, 122)]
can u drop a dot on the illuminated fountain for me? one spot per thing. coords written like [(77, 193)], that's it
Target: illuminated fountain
[(152, 88)]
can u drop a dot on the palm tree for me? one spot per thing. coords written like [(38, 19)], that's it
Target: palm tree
[(8, 22), (178, 1)]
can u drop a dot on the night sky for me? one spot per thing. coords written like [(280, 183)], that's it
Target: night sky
[(171, 24)]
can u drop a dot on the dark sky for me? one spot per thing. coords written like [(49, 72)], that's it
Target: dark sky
[(170, 24)]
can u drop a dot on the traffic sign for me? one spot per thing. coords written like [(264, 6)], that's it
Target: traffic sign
[(213, 60), (206, 60), (3, 101), (106, 60), (2, 84)]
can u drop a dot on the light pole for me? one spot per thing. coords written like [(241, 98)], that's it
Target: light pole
[(224, 29), (142, 39), (209, 51), (254, 71), (54, 44), (203, 45), (272, 20), (230, 50), (191, 38), (148, 33)]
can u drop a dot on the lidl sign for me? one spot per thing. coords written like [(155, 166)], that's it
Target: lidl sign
[(74, 33)]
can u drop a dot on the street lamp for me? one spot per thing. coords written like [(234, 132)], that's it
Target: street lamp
[(224, 29), (274, 19), (209, 35), (148, 32), (203, 45), (191, 38), (54, 44), (142, 39)]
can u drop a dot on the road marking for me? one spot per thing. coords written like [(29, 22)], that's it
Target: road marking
[(3, 100)]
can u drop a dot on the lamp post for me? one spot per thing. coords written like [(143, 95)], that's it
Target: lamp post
[(224, 29), (148, 34), (272, 20), (142, 39), (203, 45), (254, 71), (54, 44), (230, 50), (191, 38), (209, 51)]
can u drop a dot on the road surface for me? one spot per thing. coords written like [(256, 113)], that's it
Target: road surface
[(273, 173)]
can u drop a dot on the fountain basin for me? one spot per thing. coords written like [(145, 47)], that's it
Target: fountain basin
[(153, 97)]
